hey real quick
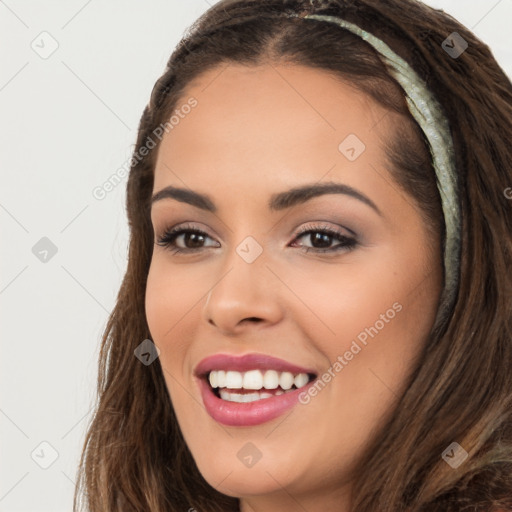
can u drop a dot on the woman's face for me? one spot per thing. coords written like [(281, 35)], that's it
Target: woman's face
[(356, 315)]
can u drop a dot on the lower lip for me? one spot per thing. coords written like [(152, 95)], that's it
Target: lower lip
[(247, 414)]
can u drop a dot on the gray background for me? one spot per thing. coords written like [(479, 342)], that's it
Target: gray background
[(68, 122)]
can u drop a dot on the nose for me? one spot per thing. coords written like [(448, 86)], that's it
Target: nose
[(245, 295)]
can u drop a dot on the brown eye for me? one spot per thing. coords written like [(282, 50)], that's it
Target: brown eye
[(193, 239), (322, 237)]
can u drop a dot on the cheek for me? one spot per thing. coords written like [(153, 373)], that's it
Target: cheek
[(375, 316), (169, 306), (376, 308), (343, 299), (169, 300), (170, 294)]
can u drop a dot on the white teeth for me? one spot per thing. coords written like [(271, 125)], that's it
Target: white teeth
[(234, 380), (245, 398), (250, 397), (221, 379), (256, 380), (271, 379), (300, 380), (238, 397), (253, 380), (286, 380)]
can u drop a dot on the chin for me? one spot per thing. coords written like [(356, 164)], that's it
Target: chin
[(238, 482), (239, 485)]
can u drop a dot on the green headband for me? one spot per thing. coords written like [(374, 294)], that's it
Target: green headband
[(429, 115)]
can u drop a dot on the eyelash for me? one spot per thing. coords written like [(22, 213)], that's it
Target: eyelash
[(168, 239)]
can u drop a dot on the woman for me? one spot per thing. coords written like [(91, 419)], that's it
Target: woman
[(316, 313)]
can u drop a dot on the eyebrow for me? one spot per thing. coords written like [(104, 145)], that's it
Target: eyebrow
[(278, 202)]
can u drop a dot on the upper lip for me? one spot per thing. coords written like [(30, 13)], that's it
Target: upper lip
[(247, 362)]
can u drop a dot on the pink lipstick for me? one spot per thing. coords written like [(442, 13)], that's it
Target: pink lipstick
[(251, 389)]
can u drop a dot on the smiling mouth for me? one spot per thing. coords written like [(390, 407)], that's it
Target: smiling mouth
[(254, 385)]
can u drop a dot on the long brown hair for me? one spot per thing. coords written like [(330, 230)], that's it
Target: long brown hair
[(135, 457)]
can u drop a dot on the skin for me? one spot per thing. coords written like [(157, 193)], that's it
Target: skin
[(257, 131)]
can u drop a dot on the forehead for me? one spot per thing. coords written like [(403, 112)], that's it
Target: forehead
[(273, 123)]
